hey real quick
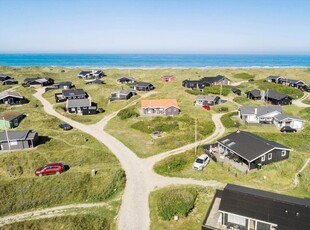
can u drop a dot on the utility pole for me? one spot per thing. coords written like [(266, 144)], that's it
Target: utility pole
[(195, 136), (221, 93), (6, 133)]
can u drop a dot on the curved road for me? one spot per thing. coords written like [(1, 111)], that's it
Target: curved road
[(141, 179)]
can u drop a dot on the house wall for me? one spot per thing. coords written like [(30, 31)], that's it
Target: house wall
[(11, 101), (296, 124), (284, 101), (276, 156), (172, 111), (25, 144)]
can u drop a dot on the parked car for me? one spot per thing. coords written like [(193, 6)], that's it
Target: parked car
[(288, 129), (201, 162), (65, 126), (54, 168), (206, 107)]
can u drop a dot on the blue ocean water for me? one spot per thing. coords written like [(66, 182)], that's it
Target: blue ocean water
[(154, 60)]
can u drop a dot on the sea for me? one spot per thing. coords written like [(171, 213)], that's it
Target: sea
[(156, 60)]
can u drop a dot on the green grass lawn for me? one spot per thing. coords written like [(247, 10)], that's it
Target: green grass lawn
[(181, 195), (21, 190)]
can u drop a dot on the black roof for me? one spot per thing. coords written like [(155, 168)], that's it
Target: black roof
[(286, 211), (255, 93), (212, 79), (73, 92), (275, 95), (248, 145), (142, 84), (235, 90)]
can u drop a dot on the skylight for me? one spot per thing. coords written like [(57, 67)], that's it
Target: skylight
[(224, 141), (231, 144)]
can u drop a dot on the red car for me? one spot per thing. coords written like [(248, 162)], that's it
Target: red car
[(206, 107), (54, 168)]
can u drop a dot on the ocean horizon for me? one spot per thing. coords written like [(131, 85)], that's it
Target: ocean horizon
[(156, 60)]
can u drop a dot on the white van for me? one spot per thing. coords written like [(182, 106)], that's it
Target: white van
[(201, 162)]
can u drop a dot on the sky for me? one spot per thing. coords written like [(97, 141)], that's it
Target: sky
[(155, 26)]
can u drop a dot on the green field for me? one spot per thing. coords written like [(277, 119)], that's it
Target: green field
[(21, 190)]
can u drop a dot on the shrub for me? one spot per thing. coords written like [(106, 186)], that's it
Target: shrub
[(194, 92), (178, 201), (243, 76), (216, 89), (222, 109), (227, 121), (127, 113), (162, 124)]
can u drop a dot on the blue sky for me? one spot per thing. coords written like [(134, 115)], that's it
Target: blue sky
[(158, 26)]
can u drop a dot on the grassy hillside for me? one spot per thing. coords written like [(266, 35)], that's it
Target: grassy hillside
[(21, 190)]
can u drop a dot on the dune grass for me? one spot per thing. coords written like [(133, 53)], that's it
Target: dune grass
[(19, 188), (195, 200)]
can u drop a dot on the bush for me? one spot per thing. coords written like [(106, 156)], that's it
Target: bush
[(127, 113), (162, 124), (194, 92), (222, 109), (176, 202), (243, 76), (227, 121), (216, 89)]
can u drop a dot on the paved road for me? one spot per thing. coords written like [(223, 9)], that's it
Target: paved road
[(141, 179)]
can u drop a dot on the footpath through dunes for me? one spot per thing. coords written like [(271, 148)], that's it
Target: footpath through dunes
[(48, 212), (300, 103), (141, 179)]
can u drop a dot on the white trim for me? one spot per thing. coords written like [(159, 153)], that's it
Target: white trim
[(263, 158), (270, 156), (283, 153), (273, 224)]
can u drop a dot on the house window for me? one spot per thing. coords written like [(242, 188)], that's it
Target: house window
[(269, 156), (263, 158), (283, 154), (13, 143)]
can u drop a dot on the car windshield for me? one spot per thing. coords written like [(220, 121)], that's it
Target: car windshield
[(199, 161)]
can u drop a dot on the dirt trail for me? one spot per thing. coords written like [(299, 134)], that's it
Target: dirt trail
[(296, 179), (299, 102)]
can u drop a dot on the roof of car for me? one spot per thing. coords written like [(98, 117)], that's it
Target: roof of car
[(202, 156)]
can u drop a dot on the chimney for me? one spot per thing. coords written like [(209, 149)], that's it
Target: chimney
[(255, 111)]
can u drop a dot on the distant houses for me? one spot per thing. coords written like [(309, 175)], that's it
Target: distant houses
[(206, 81), (62, 85), (239, 207), (142, 86), (202, 100), (271, 96), (288, 82), (164, 107), (10, 119), (250, 150), (168, 78), (121, 95), (80, 106), (38, 81), (12, 98), (18, 140), (91, 74), (125, 80), (7, 80), (277, 98), (70, 94)]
